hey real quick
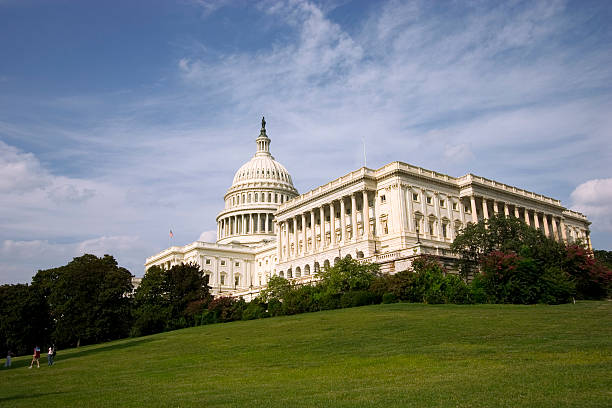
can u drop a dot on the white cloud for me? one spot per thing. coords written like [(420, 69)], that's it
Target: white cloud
[(28, 256), (594, 198), (490, 88), (19, 171)]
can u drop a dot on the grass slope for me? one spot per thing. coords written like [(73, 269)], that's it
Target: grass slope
[(396, 355)]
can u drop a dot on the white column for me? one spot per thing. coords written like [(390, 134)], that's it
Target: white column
[(365, 215), (461, 211), (546, 230), (342, 221), (354, 217), (313, 231), (401, 202), (474, 214), (296, 238), (258, 223), (279, 240), (450, 228), (243, 217), (554, 228), (536, 220), (436, 198), (563, 231), (332, 225), (495, 207), (485, 208), (286, 238), (304, 237), (424, 211), (322, 215), (410, 210), (527, 216), (506, 210), (516, 211)]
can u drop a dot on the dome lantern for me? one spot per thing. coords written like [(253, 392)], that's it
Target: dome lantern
[(263, 141)]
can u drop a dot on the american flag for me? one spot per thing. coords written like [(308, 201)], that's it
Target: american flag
[(171, 234)]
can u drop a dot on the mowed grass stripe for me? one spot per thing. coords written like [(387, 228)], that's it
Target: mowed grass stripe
[(385, 355)]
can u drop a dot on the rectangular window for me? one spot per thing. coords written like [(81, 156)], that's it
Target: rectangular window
[(222, 263), (444, 230), (467, 208), (237, 263), (208, 262), (428, 200), (415, 197), (455, 206), (383, 199), (223, 279), (442, 203)]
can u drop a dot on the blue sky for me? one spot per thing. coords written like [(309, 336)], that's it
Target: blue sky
[(121, 120)]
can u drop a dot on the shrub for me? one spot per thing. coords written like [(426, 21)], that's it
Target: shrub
[(592, 279), (222, 309), (275, 307), (255, 309), (456, 290), (300, 300), (389, 298), (357, 298)]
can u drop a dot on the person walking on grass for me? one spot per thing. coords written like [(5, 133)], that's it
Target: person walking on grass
[(50, 354), (9, 354), (36, 357)]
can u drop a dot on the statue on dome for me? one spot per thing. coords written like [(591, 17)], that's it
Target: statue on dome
[(263, 123)]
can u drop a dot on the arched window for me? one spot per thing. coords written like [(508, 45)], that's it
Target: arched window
[(256, 197), (236, 280), (269, 197), (307, 270), (289, 273), (298, 272)]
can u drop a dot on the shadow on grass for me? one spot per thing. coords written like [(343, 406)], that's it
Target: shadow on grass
[(78, 353), (27, 396), (63, 355)]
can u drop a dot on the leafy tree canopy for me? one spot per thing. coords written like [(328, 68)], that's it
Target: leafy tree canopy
[(504, 234), (87, 299), (348, 275)]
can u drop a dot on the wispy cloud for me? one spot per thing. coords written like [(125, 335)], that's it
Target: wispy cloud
[(516, 91)]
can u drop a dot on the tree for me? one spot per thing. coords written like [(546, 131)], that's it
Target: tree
[(169, 299), (604, 257), (503, 234), (87, 300), (348, 275), (592, 278), (24, 319)]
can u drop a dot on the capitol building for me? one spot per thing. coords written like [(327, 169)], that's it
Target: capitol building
[(386, 216)]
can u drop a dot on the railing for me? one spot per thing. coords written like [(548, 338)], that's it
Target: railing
[(470, 178)]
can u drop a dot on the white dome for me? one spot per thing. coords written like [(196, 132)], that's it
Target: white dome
[(260, 186), (262, 169)]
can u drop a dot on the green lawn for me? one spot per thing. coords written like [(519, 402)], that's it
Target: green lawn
[(386, 356)]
